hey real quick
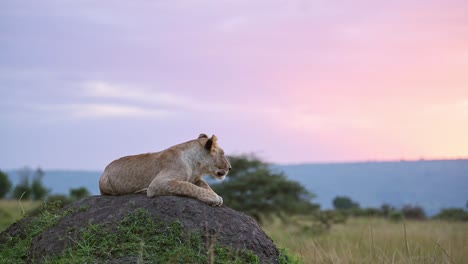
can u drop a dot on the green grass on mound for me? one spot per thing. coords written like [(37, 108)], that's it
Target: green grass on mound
[(137, 238)]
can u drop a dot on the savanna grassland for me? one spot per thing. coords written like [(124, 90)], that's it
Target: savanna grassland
[(359, 240), (373, 240)]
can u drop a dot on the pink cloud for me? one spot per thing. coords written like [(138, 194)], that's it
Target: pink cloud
[(295, 81)]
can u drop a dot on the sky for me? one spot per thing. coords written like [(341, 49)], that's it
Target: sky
[(85, 82)]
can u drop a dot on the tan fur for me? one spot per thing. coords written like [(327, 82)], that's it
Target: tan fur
[(177, 170)]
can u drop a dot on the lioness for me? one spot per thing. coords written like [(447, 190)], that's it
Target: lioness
[(177, 170)]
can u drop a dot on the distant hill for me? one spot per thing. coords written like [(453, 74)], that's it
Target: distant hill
[(430, 184)]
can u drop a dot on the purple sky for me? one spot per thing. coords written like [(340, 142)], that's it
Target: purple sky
[(85, 82)]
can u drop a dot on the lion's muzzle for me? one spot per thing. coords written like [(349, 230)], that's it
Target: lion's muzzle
[(221, 173)]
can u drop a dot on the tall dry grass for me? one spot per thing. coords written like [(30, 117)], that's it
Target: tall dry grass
[(375, 240)]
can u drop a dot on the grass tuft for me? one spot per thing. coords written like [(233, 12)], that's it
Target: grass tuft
[(14, 210), (16, 249)]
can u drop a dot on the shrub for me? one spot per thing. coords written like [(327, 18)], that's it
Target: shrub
[(79, 193), (22, 190), (413, 212), (5, 184), (330, 217), (38, 190), (253, 188), (387, 209), (372, 212), (396, 216), (34, 190), (453, 214), (344, 203)]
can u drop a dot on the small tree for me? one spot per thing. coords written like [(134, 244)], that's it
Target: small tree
[(344, 203), (387, 209), (23, 189), (413, 212), (79, 193), (252, 187), (5, 184), (38, 190)]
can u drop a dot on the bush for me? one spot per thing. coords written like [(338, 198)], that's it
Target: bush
[(365, 212), (22, 190), (5, 184), (413, 212), (79, 193), (253, 188), (453, 214), (344, 203), (396, 216), (387, 209), (38, 190), (34, 190), (329, 217)]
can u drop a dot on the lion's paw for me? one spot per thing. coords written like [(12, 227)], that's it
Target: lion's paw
[(215, 201), (220, 199)]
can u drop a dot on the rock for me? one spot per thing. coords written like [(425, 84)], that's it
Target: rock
[(229, 227)]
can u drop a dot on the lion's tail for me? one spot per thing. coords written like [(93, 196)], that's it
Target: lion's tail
[(142, 190)]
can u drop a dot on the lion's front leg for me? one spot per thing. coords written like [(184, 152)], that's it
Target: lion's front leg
[(203, 184), (183, 188)]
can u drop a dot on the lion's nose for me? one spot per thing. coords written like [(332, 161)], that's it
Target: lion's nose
[(229, 168)]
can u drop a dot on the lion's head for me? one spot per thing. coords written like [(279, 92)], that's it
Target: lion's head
[(218, 165)]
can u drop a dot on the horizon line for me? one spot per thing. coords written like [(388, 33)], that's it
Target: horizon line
[(271, 163)]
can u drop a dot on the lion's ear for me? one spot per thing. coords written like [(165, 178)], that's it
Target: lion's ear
[(211, 142), (202, 136)]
